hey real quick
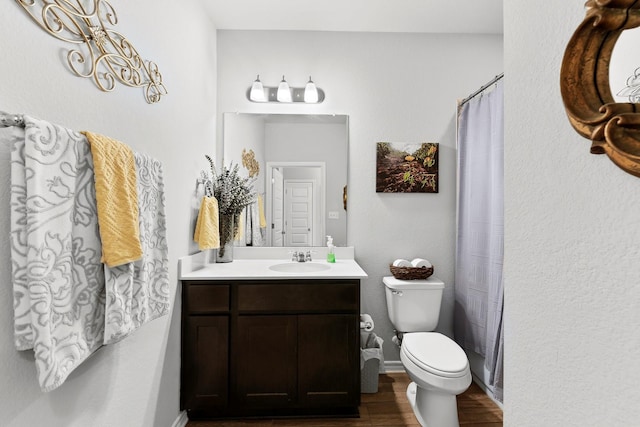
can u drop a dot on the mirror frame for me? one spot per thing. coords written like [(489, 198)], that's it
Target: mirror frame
[(613, 128)]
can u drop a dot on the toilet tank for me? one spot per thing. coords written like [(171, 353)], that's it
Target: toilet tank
[(413, 305)]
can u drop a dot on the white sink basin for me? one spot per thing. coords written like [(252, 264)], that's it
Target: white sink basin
[(299, 267)]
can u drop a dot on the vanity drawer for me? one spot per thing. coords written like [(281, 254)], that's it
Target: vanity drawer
[(206, 298), (300, 296)]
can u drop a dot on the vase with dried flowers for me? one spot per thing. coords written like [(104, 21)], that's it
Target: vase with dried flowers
[(233, 193)]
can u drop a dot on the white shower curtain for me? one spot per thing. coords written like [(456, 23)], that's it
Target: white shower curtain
[(480, 234)]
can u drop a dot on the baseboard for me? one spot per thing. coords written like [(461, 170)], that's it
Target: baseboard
[(391, 366), (181, 421)]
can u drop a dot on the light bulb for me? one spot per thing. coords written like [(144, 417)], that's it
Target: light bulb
[(284, 93), (310, 92), (257, 91)]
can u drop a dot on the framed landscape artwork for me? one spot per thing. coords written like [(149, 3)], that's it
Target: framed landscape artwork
[(406, 168)]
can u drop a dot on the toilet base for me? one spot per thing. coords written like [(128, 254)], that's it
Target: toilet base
[(440, 409)]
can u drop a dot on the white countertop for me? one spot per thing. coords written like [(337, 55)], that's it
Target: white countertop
[(254, 263)]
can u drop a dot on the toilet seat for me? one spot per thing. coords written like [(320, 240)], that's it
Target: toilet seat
[(436, 354)]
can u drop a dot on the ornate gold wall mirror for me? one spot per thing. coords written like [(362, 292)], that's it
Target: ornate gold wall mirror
[(613, 128)]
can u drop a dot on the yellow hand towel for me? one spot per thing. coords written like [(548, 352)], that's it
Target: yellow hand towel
[(117, 200), (207, 234), (263, 220)]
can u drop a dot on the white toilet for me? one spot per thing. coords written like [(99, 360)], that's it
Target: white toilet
[(438, 367)]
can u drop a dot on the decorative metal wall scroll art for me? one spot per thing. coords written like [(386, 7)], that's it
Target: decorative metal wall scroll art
[(250, 163), (613, 128), (103, 54)]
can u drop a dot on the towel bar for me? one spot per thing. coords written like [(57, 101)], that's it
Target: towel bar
[(8, 120)]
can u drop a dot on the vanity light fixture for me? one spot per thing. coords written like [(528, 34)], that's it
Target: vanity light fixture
[(257, 91), (284, 94), (310, 92), (284, 91)]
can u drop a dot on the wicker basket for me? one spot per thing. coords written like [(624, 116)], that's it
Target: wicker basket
[(411, 273)]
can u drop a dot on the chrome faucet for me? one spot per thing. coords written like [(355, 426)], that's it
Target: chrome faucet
[(300, 256)]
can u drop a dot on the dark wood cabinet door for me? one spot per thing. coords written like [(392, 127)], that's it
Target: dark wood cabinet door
[(205, 362), (265, 361), (328, 354)]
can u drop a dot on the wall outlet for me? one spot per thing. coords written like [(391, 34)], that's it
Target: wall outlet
[(334, 215)]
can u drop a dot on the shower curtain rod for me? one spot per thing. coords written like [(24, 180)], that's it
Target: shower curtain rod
[(8, 120), (479, 91)]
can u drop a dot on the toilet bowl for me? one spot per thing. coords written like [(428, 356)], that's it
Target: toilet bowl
[(438, 367), (439, 371)]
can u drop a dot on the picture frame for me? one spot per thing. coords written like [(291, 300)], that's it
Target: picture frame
[(407, 167)]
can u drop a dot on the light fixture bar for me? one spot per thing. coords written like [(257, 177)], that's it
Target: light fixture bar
[(297, 94)]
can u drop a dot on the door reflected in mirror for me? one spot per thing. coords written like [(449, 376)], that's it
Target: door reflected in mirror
[(300, 165)]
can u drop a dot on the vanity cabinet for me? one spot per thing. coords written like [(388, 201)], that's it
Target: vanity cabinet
[(270, 347)]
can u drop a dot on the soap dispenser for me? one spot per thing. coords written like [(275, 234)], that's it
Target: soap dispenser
[(331, 256)]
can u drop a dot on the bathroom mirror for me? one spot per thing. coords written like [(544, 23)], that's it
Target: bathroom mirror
[(300, 164), (613, 127)]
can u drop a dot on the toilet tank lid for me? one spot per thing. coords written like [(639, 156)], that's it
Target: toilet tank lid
[(429, 283)]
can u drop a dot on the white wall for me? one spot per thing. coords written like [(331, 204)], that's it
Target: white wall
[(136, 382), (394, 87), (572, 292)]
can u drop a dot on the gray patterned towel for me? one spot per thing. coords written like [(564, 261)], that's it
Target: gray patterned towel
[(66, 302), (22, 332), (55, 250), (138, 292)]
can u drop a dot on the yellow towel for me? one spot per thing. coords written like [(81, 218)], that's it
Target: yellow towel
[(117, 199), (207, 234), (263, 220)]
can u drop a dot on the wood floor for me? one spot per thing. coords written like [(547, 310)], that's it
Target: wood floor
[(387, 408)]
